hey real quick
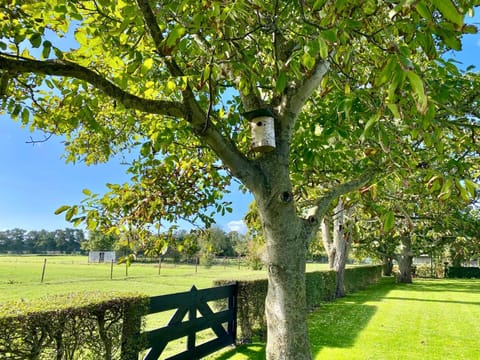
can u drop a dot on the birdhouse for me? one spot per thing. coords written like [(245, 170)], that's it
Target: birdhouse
[(262, 125)]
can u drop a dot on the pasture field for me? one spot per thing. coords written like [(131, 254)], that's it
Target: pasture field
[(428, 320), (20, 276)]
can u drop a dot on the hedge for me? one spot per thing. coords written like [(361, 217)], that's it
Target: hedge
[(320, 287), (89, 325), (463, 272)]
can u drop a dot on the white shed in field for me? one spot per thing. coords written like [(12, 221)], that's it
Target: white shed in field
[(102, 256)]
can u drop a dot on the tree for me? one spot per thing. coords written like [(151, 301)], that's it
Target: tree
[(337, 249), (173, 80), (403, 224), (98, 241)]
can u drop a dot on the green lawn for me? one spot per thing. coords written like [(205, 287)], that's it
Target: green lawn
[(430, 319)]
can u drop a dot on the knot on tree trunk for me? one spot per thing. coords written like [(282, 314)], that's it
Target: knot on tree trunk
[(286, 197)]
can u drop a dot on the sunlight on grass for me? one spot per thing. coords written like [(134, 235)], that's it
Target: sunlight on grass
[(428, 320)]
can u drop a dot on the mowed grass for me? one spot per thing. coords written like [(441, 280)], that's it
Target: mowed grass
[(430, 319), (20, 276)]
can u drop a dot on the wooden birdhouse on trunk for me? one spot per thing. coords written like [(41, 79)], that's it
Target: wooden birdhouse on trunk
[(262, 125)]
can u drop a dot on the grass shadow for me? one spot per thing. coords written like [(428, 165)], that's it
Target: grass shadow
[(445, 285), (254, 351), (337, 324), (332, 324)]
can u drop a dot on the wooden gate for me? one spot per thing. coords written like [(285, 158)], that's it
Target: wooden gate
[(193, 303)]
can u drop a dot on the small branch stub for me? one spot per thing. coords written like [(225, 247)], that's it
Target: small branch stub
[(262, 125)]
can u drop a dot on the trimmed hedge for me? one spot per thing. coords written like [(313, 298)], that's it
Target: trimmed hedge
[(320, 287), (359, 278), (463, 272), (90, 325)]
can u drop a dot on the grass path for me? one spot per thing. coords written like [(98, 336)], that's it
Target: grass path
[(430, 319)]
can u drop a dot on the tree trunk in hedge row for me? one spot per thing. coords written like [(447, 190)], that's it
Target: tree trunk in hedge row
[(387, 263), (405, 259)]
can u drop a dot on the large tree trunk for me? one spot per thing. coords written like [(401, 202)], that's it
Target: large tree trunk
[(286, 240), (405, 260), (341, 247)]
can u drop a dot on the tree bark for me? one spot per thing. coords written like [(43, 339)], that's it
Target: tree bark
[(286, 241), (327, 242), (387, 262), (405, 260), (341, 247)]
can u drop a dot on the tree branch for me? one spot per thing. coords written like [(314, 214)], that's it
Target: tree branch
[(226, 150), (157, 35), (69, 69), (196, 116), (301, 93), (322, 203)]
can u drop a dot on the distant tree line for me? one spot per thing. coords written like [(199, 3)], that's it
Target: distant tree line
[(21, 241)]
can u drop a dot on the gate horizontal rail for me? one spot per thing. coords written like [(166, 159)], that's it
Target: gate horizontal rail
[(191, 303)]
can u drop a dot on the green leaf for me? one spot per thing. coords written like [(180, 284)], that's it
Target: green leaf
[(373, 120), (423, 10), (47, 47), (386, 73), (171, 86), (87, 192), (61, 209), (81, 37), (308, 61), (470, 29), (394, 110), (25, 116), (36, 40), (147, 65), (330, 35), (318, 4), (58, 52), (446, 190), (418, 91), (471, 187), (449, 11), (388, 221), (175, 35), (206, 73), (463, 191), (71, 212), (281, 82), (323, 48)]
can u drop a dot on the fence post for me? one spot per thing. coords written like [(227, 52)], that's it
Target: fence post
[(192, 315), (43, 270)]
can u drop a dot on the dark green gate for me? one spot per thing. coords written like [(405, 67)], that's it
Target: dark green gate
[(194, 303)]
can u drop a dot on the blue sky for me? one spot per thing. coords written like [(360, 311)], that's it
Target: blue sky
[(35, 180)]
